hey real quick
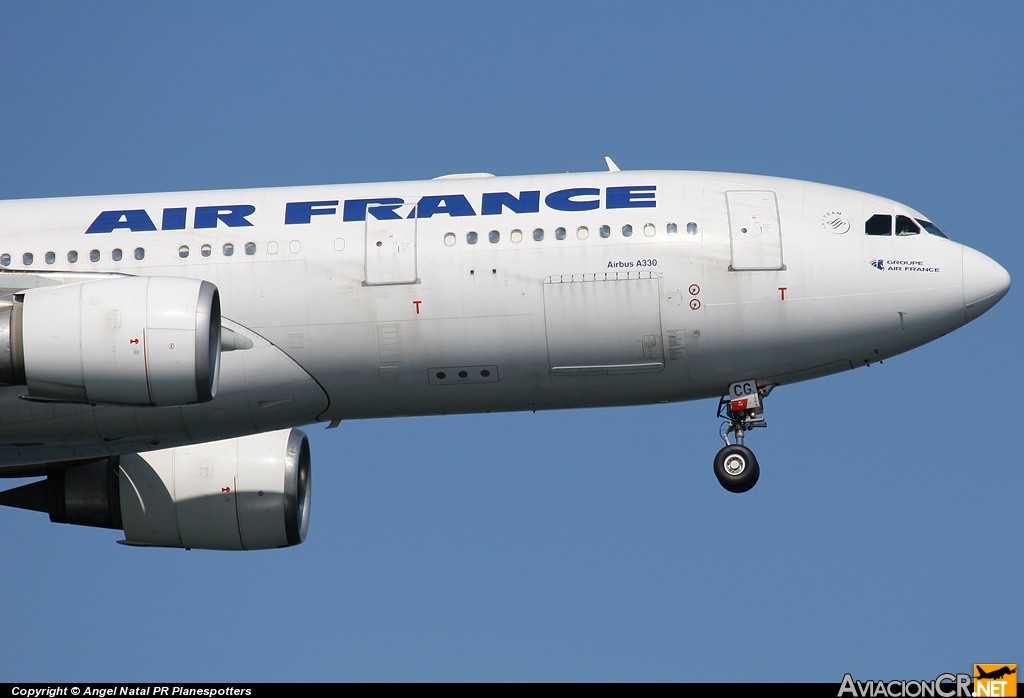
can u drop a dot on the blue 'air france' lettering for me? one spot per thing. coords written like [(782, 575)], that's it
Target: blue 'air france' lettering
[(492, 203), (138, 221)]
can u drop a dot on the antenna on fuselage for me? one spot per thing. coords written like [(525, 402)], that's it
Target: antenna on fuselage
[(612, 167)]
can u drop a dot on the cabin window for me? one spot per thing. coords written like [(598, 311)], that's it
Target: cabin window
[(905, 226), (140, 253), (516, 235), (115, 254), (206, 250), (691, 228), (50, 257), (605, 231), (582, 233), (5, 260), (183, 251), (94, 255), (494, 236), (27, 259), (538, 234), (72, 257), (627, 230), (228, 249), (250, 248), (471, 237), (878, 224), (294, 246), (449, 239), (671, 229), (649, 230), (272, 247), (559, 233)]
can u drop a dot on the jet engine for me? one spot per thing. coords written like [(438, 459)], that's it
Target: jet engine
[(249, 493), (126, 341)]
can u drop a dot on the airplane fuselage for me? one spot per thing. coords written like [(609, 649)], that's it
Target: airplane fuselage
[(486, 294)]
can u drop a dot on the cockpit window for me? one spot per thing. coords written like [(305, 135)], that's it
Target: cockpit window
[(906, 226), (882, 224), (878, 224), (932, 229)]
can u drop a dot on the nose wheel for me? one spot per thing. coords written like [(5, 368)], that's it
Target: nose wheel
[(736, 466)]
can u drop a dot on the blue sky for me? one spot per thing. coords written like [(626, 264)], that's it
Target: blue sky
[(884, 538)]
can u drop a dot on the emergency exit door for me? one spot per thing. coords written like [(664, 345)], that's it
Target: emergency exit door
[(391, 246), (754, 230)]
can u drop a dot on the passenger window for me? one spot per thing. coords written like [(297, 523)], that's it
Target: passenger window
[(183, 251), (906, 226), (339, 244), (494, 236), (627, 230), (228, 249), (471, 237), (649, 230), (671, 229), (250, 248), (605, 231), (559, 233), (516, 235), (206, 250), (582, 233), (449, 239), (5, 260), (294, 246), (50, 257), (272, 247), (878, 224), (72, 257), (94, 255), (115, 254), (538, 234), (140, 253), (691, 228), (27, 259)]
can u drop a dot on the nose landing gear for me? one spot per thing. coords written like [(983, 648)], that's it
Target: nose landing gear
[(736, 466)]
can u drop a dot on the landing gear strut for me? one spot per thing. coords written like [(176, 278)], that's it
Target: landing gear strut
[(735, 465)]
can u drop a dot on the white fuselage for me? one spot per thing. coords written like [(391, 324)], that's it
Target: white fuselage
[(483, 294)]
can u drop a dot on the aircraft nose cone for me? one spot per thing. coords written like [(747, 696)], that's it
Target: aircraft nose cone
[(985, 282)]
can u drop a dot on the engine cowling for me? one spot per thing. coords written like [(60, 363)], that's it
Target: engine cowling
[(128, 341), (249, 493)]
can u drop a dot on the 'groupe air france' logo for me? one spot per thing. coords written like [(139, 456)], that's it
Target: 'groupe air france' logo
[(904, 265), (995, 680)]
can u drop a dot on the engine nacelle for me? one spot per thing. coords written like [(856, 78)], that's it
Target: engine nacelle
[(127, 341), (250, 493)]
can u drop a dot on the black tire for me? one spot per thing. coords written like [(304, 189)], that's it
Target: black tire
[(736, 468)]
